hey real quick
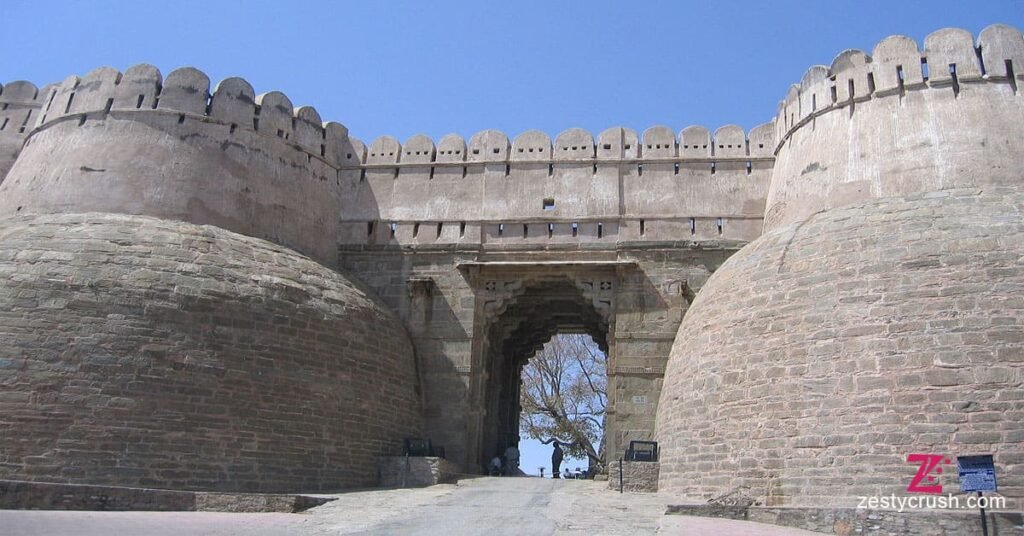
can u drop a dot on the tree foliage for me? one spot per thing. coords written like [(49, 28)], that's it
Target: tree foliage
[(564, 395)]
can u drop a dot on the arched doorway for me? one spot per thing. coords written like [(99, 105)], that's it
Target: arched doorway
[(520, 312)]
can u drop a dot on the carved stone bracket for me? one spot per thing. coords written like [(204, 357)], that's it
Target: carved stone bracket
[(600, 292), (496, 295)]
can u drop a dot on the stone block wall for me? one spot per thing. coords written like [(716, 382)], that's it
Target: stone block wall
[(619, 186), (821, 355), (635, 476), (143, 352), (415, 471)]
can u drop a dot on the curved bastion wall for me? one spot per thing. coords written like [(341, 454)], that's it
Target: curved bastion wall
[(822, 354), (145, 352), (880, 313), (900, 121), (138, 143)]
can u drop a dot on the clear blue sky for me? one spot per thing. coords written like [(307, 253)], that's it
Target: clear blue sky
[(435, 67)]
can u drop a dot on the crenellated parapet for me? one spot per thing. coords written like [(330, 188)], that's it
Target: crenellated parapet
[(901, 120), (657, 144), (140, 143), (187, 91), (20, 102), (619, 185)]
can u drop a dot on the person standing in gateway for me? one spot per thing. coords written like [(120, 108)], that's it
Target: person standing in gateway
[(556, 459), (556, 455)]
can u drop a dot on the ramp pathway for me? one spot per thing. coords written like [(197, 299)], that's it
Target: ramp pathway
[(490, 506)]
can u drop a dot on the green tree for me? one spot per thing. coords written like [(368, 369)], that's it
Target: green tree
[(564, 395)]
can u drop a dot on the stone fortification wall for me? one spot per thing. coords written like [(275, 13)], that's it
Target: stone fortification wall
[(143, 352), (822, 354), (138, 143), (618, 187), (899, 121), (20, 103)]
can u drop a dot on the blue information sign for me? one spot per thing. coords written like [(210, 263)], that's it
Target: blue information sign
[(977, 473)]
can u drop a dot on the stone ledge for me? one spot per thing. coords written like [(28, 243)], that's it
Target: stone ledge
[(851, 521), (636, 476), (415, 471), (23, 495)]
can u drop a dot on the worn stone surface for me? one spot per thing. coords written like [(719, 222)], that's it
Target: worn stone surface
[(143, 352), (635, 476), (496, 506), (415, 471), (865, 333), (22, 495), (851, 521)]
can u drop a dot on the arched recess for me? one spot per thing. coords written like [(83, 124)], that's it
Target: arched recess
[(532, 312)]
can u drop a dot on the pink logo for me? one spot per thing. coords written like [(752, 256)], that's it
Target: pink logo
[(923, 480)]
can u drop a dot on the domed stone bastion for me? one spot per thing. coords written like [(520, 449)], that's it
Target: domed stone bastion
[(143, 340), (881, 312), (146, 352), (863, 334)]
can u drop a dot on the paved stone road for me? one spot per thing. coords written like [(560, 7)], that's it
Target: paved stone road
[(490, 506)]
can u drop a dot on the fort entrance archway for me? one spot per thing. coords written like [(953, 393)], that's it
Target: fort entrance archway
[(521, 307), (485, 247)]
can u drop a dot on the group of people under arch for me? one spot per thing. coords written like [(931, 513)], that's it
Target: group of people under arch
[(507, 463)]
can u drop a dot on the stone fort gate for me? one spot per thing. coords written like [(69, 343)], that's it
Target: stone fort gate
[(488, 250)]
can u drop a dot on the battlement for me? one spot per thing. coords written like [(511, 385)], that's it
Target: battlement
[(846, 133), (615, 145), (140, 143), (659, 185), (20, 102), (950, 57), (186, 93), (952, 111)]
